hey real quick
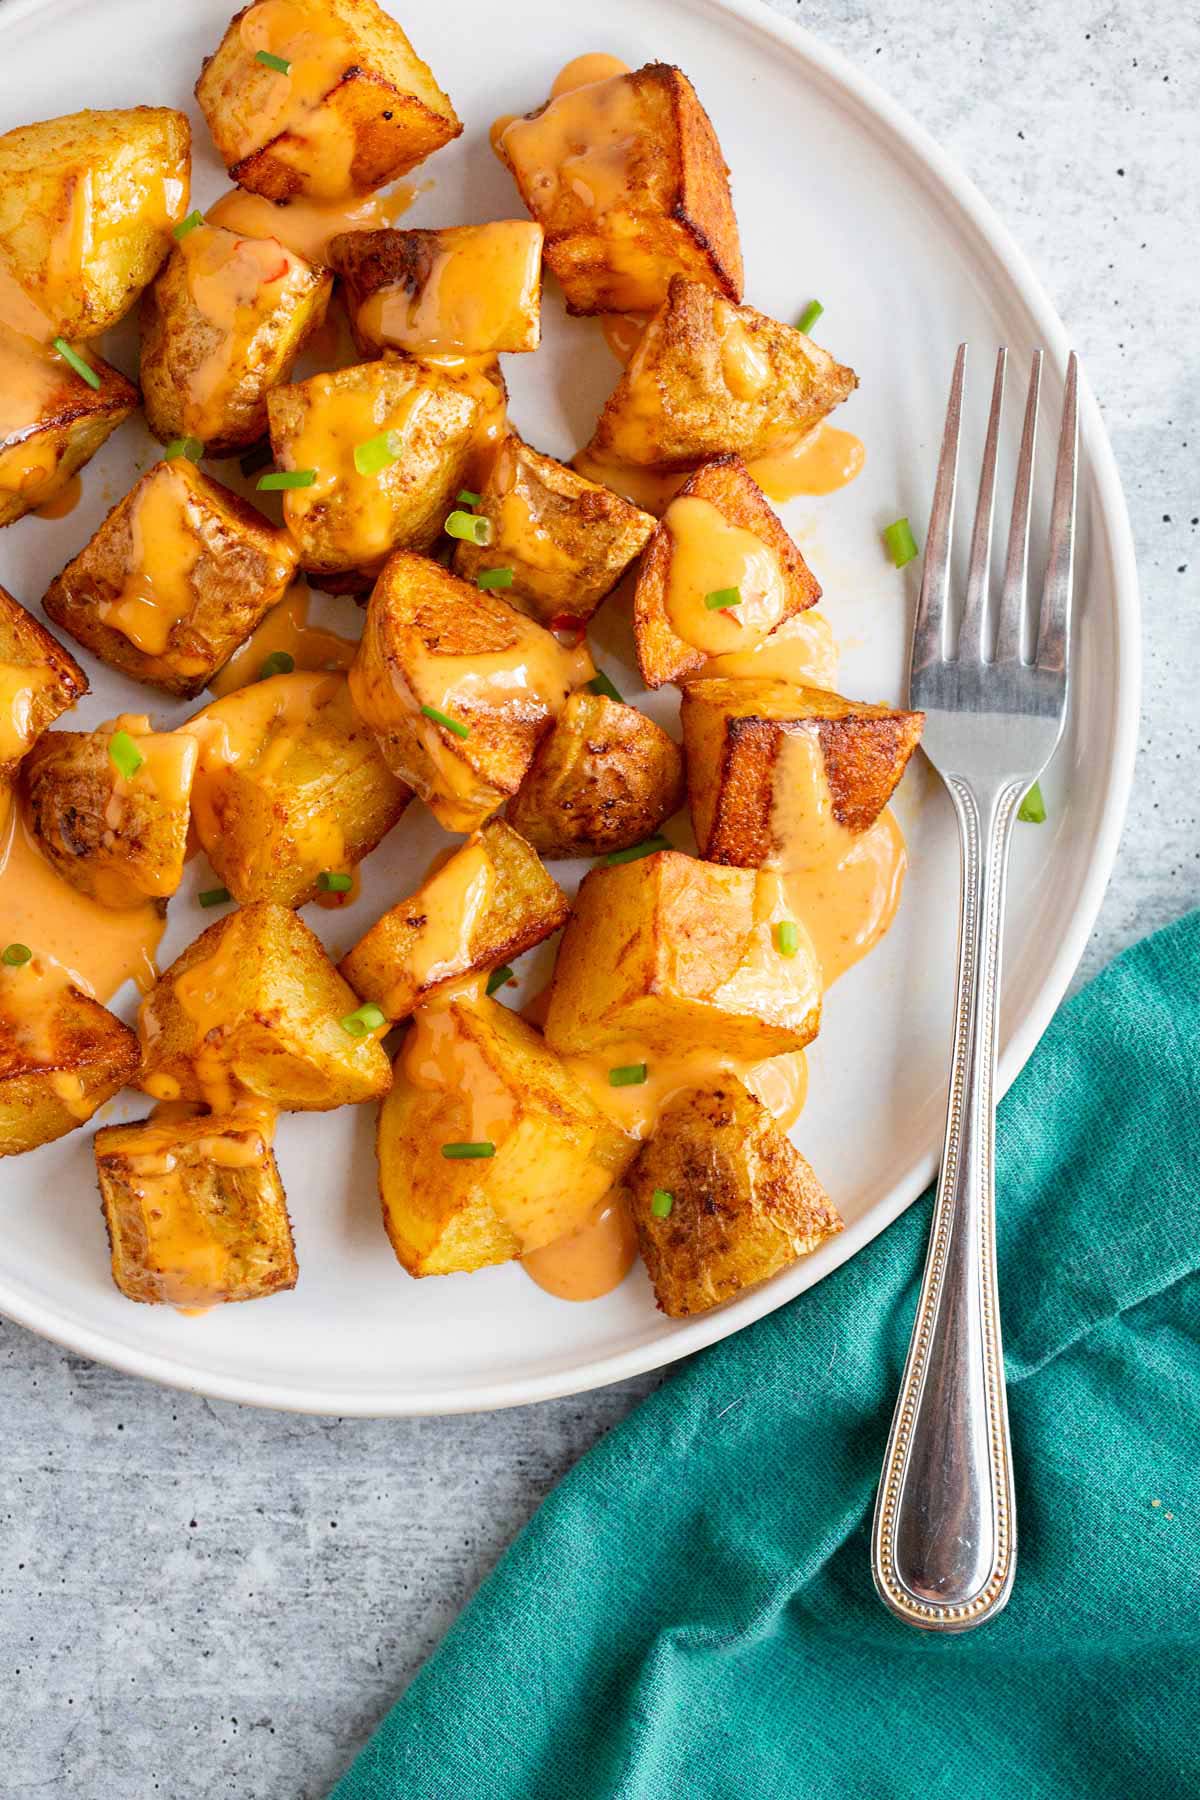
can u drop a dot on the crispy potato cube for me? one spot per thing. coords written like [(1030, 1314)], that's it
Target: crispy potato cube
[(603, 778), (178, 575), (350, 520), (53, 421), (195, 1210), (744, 1204), (567, 540), (87, 205), (457, 686), (708, 378), (62, 1055), (750, 741), (489, 901), (356, 108), (122, 840), (290, 784), (466, 290), (254, 1007), (223, 324), (717, 533), (472, 1072), (38, 683), (628, 179), (668, 950)]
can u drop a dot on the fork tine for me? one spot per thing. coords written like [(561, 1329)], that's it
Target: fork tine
[(1010, 640), (1055, 627), (970, 639), (929, 626)]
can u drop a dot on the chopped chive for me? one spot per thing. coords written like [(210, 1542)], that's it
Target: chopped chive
[(377, 453), (190, 447), (280, 662), (810, 315), (1033, 807), (189, 224), (661, 1203), (787, 938), (902, 545), (332, 881), (286, 478), (214, 896), (465, 497), (628, 1075), (470, 527), (83, 369), (126, 758), (16, 954), (723, 597), (494, 578), (257, 458), (600, 684), (462, 1152), (649, 847), (441, 718), (269, 60), (367, 1018), (497, 979)]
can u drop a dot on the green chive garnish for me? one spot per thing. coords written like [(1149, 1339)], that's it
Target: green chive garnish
[(628, 1075), (377, 453), (269, 60), (636, 852), (600, 684), (723, 597), (332, 881), (470, 527), (192, 448), (661, 1203), (286, 478), (902, 545), (126, 758), (83, 369), (462, 1152), (280, 662), (810, 315), (787, 938), (1033, 807), (494, 578), (368, 1018), (214, 896), (257, 458), (465, 497), (441, 718), (16, 954), (497, 979), (189, 224)]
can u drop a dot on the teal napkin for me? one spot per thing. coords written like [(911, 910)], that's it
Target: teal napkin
[(690, 1614)]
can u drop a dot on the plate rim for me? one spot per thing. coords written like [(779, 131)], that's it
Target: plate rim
[(838, 74)]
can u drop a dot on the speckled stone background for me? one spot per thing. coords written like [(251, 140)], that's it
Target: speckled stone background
[(202, 1601)]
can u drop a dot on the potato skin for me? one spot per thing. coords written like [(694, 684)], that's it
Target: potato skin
[(603, 778), (47, 442), (62, 1055), (39, 682), (507, 312)]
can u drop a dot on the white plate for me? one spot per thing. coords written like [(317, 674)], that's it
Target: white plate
[(839, 196)]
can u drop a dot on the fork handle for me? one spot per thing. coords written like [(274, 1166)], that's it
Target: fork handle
[(944, 1543)]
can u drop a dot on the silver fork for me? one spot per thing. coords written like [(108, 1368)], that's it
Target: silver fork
[(944, 1543)]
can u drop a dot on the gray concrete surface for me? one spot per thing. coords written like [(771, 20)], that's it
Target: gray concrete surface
[(197, 1600)]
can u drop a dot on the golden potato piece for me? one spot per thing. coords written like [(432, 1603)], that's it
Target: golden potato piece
[(222, 325), (255, 1007), (355, 108), (466, 290), (38, 683), (178, 575), (722, 1200), (355, 512), (120, 839), (603, 778), (457, 686), (62, 1055), (668, 951), (471, 1072), (51, 420), (628, 179), (709, 377), (737, 735), (567, 540), (195, 1210), (87, 205), (290, 784), (488, 902)]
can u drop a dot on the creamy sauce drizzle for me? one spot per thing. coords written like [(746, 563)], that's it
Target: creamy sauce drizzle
[(452, 901), (232, 281), (286, 628), (709, 554), (803, 650), (482, 283), (819, 463), (158, 592), (291, 113), (588, 1263), (307, 226)]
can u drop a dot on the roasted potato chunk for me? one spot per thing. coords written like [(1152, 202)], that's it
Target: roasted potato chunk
[(62, 1055), (471, 1072), (121, 839), (709, 378), (603, 778), (628, 179), (290, 784), (722, 1200), (178, 575), (38, 683), (567, 540), (254, 1007), (195, 1210), (750, 742), (489, 901), (717, 537), (422, 425), (223, 324), (667, 950), (466, 290), (53, 422), (87, 205), (356, 108), (457, 686)]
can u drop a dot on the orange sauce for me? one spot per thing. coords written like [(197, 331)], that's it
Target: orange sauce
[(19, 313), (803, 649), (286, 628), (650, 489), (708, 554), (480, 377), (158, 591), (452, 902), (21, 684), (63, 502), (30, 999), (582, 71), (307, 226), (590, 1262), (32, 379), (819, 463), (290, 111), (482, 286), (234, 282), (623, 333)]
